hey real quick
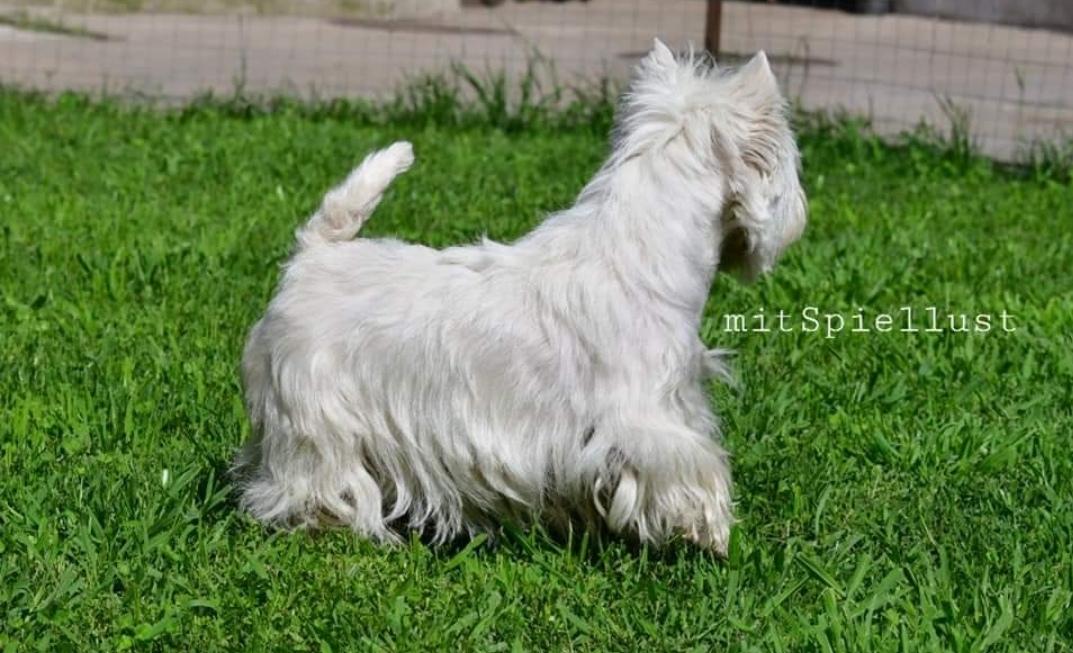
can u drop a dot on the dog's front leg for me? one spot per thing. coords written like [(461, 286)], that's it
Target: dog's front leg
[(666, 482)]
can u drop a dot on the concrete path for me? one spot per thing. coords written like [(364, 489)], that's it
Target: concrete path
[(1015, 84)]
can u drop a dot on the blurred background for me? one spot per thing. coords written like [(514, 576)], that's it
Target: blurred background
[(998, 72)]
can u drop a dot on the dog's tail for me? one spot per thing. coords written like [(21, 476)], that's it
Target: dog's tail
[(347, 206)]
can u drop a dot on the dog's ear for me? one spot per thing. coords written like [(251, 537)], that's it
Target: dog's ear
[(661, 53), (756, 92), (660, 62), (756, 87), (758, 76)]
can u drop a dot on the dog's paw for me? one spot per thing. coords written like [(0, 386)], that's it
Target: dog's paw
[(710, 537)]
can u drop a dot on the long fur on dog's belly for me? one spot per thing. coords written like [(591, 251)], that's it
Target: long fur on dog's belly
[(489, 431)]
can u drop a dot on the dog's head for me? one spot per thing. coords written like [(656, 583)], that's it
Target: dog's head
[(733, 127)]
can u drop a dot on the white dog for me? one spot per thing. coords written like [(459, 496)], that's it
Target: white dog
[(557, 378)]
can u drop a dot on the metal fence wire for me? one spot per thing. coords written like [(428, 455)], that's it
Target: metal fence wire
[(1001, 68)]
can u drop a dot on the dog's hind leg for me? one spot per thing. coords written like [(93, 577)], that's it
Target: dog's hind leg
[(346, 207), (296, 482)]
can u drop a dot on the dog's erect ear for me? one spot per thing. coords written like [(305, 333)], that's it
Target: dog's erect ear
[(758, 96), (661, 53), (660, 61), (756, 84), (757, 73)]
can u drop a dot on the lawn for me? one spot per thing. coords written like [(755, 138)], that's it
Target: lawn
[(896, 491)]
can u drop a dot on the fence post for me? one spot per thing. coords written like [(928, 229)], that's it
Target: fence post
[(713, 25)]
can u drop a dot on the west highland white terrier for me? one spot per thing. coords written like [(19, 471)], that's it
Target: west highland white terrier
[(559, 378)]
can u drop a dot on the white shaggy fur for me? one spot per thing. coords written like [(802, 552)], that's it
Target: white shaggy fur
[(557, 378)]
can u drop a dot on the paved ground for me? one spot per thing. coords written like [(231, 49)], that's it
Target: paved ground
[(1016, 84)]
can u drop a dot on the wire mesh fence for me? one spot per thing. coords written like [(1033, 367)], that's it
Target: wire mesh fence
[(1000, 68)]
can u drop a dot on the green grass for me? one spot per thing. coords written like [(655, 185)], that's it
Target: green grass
[(896, 492)]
